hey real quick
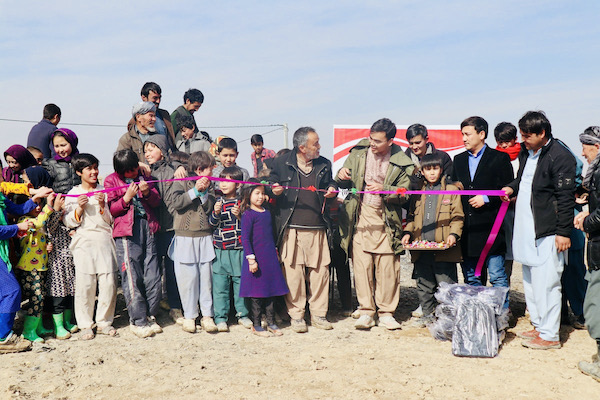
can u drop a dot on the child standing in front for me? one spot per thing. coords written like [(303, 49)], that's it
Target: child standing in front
[(262, 279), (192, 249), (32, 267), (227, 267), (135, 225), (156, 152), (434, 218), (60, 280), (93, 250)]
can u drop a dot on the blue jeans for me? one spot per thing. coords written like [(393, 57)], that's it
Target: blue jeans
[(495, 267)]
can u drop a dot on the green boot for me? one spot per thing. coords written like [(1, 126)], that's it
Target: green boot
[(67, 320), (41, 331), (59, 330), (29, 329)]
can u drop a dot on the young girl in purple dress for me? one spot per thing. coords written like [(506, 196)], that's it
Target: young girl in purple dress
[(262, 279)]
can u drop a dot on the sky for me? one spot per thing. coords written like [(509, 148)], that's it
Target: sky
[(298, 63)]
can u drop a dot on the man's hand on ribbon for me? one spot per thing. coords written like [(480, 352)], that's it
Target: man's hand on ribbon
[(331, 192), (277, 189), (509, 192)]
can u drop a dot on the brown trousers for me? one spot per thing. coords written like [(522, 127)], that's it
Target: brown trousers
[(305, 257)]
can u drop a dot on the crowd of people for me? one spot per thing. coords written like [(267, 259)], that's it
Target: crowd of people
[(184, 228)]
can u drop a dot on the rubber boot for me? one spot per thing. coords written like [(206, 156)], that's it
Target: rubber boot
[(59, 330), (67, 320), (29, 329), (41, 331)]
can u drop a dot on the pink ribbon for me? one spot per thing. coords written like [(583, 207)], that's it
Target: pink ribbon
[(488, 244)]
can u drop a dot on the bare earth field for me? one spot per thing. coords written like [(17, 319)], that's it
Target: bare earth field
[(340, 364)]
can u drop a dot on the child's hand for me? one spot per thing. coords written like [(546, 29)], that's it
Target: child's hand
[(202, 184), (41, 193), (82, 201), (145, 169), (144, 188), (218, 207), (59, 202), (49, 247), (451, 240), (253, 266), (131, 192), (180, 172), (406, 239), (101, 197), (235, 210), (50, 200), (25, 225)]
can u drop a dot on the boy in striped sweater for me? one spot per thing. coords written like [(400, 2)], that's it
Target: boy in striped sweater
[(226, 269)]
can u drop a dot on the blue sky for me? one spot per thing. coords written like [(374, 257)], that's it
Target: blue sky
[(300, 63)]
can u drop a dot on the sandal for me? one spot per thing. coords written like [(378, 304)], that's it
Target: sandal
[(259, 331), (274, 329), (108, 331), (86, 334)]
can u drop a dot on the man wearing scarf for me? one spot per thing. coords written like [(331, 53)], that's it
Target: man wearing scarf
[(589, 222), (144, 114), (545, 191)]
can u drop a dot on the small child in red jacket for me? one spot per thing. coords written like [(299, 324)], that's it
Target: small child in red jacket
[(135, 226)]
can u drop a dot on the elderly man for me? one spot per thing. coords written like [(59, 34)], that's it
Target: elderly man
[(40, 134), (144, 114), (589, 222), (545, 191), (152, 92), (304, 228), (371, 223)]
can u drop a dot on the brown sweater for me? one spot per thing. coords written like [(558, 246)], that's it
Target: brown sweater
[(191, 216)]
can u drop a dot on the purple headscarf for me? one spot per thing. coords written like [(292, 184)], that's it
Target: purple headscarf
[(70, 137), (23, 157)]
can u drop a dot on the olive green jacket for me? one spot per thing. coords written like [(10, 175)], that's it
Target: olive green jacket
[(398, 176)]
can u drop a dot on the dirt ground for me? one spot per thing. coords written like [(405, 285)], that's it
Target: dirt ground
[(340, 364)]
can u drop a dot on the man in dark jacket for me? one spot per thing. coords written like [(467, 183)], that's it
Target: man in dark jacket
[(419, 145), (589, 222), (40, 134), (545, 191), (192, 101), (481, 168), (303, 227)]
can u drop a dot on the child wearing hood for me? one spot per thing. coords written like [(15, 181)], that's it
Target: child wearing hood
[(157, 154), (18, 158), (60, 282)]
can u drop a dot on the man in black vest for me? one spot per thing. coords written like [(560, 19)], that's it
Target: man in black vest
[(303, 227)]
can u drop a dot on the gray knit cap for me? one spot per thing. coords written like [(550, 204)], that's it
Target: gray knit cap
[(143, 107), (590, 136), (159, 141)]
